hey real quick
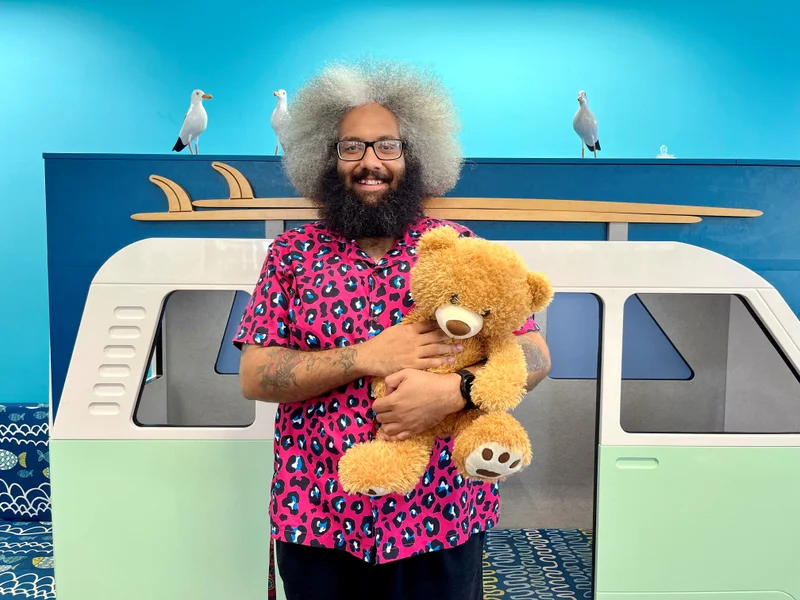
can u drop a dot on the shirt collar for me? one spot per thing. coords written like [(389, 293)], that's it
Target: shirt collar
[(405, 244)]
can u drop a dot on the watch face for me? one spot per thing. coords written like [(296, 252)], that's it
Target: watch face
[(466, 384)]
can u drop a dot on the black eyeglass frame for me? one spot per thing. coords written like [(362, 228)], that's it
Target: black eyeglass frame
[(369, 145)]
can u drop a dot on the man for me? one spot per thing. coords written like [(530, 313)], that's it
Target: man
[(368, 144)]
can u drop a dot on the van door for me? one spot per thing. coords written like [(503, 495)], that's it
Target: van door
[(699, 478)]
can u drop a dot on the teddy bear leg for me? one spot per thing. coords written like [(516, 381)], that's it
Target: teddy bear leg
[(378, 467), (490, 446)]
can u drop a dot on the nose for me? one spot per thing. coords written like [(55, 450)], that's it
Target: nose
[(370, 160), (456, 327)]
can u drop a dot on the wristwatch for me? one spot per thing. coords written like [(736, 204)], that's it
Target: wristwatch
[(467, 377)]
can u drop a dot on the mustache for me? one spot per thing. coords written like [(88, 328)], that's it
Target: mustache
[(365, 173)]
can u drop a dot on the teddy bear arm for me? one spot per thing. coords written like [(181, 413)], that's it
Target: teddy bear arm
[(501, 384)]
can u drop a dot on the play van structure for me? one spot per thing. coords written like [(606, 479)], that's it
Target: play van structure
[(666, 437)]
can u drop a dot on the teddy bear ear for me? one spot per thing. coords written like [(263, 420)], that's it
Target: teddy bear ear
[(541, 291), (438, 238)]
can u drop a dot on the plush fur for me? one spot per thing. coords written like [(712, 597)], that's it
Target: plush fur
[(484, 287)]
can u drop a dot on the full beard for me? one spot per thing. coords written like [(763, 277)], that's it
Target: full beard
[(389, 216)]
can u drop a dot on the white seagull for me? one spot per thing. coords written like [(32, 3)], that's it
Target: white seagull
[(280, 116), (585, 125), (194, 123)]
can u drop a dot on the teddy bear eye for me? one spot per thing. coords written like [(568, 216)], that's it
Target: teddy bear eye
[(454, 299), (485, 313)]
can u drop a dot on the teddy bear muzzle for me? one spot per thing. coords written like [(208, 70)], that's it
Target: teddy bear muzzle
[(458, 322)]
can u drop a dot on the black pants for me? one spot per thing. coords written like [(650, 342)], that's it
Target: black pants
[(322, 574)]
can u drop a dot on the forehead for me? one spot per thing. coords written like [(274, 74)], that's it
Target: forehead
[(369, 122)]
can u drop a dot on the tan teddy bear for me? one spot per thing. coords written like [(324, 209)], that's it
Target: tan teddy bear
[(480, 292)]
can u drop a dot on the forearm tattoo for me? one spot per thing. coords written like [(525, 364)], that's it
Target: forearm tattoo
[(535, 359), (346, 358), (278, 373), (281, 368)]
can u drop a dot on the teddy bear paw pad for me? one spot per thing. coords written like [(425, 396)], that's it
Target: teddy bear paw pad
[(493, 461), (376, 491)]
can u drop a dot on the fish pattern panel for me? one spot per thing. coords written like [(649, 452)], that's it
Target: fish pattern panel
[(24, 463)]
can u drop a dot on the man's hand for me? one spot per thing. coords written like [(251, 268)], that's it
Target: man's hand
[(416, 401), (408, 346)]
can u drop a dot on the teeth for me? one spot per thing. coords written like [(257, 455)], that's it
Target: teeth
[(370, 182)]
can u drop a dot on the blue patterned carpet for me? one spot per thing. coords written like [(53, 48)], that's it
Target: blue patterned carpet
[(538, 564)]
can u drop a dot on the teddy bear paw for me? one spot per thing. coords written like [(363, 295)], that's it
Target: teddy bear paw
[(493, 461), (376, 491)]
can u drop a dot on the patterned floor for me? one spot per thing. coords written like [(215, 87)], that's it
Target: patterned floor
[(538, 564)]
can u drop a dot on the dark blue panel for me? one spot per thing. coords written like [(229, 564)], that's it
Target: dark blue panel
[(228, 356), (647, 352), (573, 336)]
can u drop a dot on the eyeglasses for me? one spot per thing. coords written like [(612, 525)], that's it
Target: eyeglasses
[(353, 150)]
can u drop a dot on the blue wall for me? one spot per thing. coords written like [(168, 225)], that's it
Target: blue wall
[(716, 80)]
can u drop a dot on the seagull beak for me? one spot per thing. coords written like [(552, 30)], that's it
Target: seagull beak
[(207, 96), (275, 94)]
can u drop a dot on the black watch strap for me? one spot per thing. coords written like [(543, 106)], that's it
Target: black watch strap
[(467, 377)]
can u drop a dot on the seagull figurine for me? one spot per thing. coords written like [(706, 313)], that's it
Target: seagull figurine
[(585, 125), (194, 123), (280, 116)]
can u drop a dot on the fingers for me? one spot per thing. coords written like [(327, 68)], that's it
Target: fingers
[(394, 432), (386, 418), (433, 363), (392, 381), (383, 405), (438, 349), (434, 337), (400, 437)]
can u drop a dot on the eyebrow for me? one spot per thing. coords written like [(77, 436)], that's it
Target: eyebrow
[(352, 138)]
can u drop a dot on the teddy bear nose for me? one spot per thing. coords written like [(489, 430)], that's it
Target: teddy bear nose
[(456, 327)]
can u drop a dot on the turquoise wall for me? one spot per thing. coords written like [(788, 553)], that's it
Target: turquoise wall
[(711, 80)]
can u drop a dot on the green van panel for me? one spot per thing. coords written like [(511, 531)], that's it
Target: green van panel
[(161, 519), (675, 521)]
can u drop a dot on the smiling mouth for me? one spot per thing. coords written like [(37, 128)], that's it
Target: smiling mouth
[(370, 182)]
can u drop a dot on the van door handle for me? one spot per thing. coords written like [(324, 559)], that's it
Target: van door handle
[(635, 462)]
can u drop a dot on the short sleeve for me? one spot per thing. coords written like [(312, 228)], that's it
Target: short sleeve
[(528, 326), (462, 230), (265, 321)]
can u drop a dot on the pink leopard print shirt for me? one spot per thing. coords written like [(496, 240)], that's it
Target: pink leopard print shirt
[(316, 291)]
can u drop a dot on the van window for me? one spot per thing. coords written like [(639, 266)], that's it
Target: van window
[(741, 382), (191, 380)]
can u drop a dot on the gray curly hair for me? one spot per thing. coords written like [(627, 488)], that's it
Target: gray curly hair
[(422, 105)]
